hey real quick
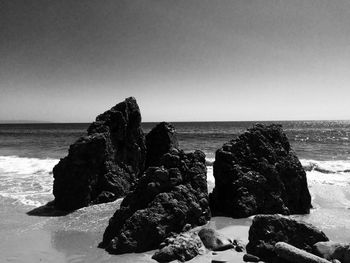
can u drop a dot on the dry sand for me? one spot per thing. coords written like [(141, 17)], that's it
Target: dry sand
[(74, 238)]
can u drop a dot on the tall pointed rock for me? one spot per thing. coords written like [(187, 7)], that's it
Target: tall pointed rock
[(102, 165)]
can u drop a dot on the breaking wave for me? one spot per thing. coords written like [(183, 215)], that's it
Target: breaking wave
[(326, 167), (26, 180), (332, 172), (209, 161)]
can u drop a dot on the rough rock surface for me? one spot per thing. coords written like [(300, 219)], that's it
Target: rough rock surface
[(105, 163), (159, 141), (258, 173), (183, 247), (267, 230), (166, 199), (333, 250), (288, 253), (215, 241)]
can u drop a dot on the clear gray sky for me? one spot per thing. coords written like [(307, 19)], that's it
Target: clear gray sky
[(69, 60)]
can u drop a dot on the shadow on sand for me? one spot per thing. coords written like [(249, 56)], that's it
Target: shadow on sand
[(48, 210)]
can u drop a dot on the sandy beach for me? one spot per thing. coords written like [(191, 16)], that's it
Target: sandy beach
[(74, 238), (144, 100), (27, 183)]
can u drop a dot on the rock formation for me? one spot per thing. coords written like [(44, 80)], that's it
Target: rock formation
[(166, 199), (288, 253), (258, 173), (267, 230), (159, 141), (214, 241), (331, 250), (105, 163), (182, 247)]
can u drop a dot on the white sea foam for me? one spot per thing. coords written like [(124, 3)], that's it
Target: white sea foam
[(331, 166), (29, 180), (340, 179), (209, 161), (333, 172), (26, 180), (22, 165), (210, 175)]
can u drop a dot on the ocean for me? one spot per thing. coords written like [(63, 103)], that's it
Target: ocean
[(28, 152)]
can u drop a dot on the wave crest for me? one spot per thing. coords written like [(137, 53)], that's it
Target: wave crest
[(26, 180), (326, 167), (209, 161)]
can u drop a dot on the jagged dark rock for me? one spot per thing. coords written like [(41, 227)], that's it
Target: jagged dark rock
[(267, 230), (105, 163), (258, 173), (182, 247), (159, 141), (165, 201)]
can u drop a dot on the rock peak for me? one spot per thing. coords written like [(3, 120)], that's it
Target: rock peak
[(102, 165), (159, 141)]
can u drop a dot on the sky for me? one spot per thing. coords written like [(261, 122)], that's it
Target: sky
[(183, 60)]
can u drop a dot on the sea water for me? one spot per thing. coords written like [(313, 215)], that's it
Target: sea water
[(28, 152)]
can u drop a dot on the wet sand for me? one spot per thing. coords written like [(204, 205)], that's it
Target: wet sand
[(74, 238)]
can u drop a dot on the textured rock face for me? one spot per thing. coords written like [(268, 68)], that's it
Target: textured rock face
[(288, 253), (258, 173), (159, 141), (267, 230), (333, 250), (183, 247), (105, 163), (166, 199), (215, 241)]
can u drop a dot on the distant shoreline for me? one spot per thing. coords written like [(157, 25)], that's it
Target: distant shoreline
[(24, 122), (153, 122)]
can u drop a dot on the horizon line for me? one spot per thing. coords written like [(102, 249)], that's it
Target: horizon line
[(206, 121)]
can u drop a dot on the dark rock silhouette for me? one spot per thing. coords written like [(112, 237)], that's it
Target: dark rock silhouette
[(182, 247), (159, 141), (267, 230), (165, 201), (105, 163), (250, 258), (258, 173), (49, 210)]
